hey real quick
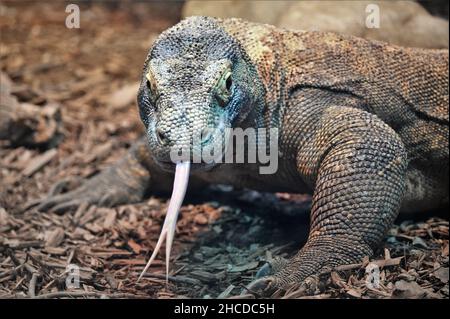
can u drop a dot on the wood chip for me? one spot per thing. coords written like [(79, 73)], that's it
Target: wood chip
[(242, 268), (39, 162), (134, 246), (54, 238), (201, 219), (226, 292), (110, 218)]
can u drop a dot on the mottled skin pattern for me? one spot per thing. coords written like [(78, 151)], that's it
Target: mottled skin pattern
[(363, 127)]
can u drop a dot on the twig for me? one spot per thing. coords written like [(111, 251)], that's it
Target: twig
[(29, 268), (11, 271), (71, 255), (6, 278), (226, 292), (44, 267), (178, 279), (32, 285), (321, 296), (246, 296), (26, 244), (39, 162), (379, 263), (77, 294), (430, 272)]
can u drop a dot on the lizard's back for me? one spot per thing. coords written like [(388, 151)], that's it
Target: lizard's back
[(407, 88)]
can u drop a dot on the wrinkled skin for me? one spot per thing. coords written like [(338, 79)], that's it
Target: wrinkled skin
[(363, 128)]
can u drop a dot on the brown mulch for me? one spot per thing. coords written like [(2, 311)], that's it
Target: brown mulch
[(87, 79)]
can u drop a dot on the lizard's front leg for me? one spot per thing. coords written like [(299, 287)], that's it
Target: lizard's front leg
[(356, 165), (124, 182)]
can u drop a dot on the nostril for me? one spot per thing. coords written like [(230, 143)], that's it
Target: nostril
[(161, 136)]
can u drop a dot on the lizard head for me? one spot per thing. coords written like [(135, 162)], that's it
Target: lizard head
[(197, 81)]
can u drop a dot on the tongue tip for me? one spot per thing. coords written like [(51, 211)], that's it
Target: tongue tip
[(179, 190)]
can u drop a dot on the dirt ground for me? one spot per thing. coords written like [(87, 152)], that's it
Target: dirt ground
[(88, 77)]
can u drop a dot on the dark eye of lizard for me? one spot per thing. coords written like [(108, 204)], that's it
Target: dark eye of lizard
[(228, 83), (223, 88), (151, 86)]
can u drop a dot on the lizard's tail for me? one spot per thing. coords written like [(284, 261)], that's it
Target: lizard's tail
[(168, 230)]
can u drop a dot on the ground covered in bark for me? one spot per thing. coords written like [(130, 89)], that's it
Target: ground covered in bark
[(76, 92)]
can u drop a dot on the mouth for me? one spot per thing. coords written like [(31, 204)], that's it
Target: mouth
[(169, 166), (198, 163)]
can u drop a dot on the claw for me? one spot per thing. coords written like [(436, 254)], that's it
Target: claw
[(168, 230), (262, 286), (265, 270), (265, 283), (58, 188), (107, 200), (271, 266), (31, 204), (64, 207), (49, 202), (54, 196)]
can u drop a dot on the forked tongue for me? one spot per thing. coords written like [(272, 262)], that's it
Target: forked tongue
[(168, 230)]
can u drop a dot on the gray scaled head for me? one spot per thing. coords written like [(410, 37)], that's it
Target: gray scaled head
[(197, 81)]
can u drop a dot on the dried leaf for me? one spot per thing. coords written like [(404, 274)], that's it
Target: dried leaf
[(405, 289), (442, 274)]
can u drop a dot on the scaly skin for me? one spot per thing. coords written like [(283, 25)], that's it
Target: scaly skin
[(363, 127)]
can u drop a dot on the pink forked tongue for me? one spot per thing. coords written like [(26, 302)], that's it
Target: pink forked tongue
[(168, 230)]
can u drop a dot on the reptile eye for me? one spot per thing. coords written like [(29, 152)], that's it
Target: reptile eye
[(228, 82), (223, 88), (151, 85)]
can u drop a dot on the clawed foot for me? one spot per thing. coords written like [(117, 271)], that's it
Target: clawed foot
[(305, 273), (269, 279), (105, 190), (269, 285)]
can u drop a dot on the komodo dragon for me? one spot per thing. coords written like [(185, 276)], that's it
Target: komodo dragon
[(363, 126)]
